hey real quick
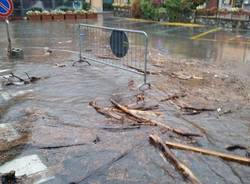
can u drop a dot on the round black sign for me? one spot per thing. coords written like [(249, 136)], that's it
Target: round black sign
[(119, 43)]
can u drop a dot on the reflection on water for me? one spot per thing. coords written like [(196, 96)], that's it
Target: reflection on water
[(218, 47)]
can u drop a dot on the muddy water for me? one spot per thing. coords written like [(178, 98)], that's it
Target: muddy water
[(54, 111)]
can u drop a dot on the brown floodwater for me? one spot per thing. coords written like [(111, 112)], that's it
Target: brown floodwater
[(54, 111)]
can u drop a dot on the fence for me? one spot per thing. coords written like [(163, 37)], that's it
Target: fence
[(121, 48)]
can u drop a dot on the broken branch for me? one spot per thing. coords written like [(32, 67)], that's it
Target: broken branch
[(224, 156), (107, 57), (168, 154), (142, 71), (151, 122), (173, 97), (62, 146), (19, 78), (104, 112)]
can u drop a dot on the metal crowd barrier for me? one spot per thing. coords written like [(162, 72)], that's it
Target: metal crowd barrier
[(121, 48)]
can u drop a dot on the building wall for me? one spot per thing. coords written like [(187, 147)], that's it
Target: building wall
[(97, 5), (228, 4), (212, 4), (22, 6)]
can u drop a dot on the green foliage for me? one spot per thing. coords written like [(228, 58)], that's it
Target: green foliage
[(197, 3), (86, 6), (65, 9), (36, 9), (136, 9), (178, 9), (174, 10), (149, 11)]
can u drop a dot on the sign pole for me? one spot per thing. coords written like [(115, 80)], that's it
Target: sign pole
[(8, 36), (6, 9)]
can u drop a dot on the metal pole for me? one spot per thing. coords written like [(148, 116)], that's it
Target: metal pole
[(81, 59), (53, 4), (8, 36), (146, 60), (80, 42), (22, 7)]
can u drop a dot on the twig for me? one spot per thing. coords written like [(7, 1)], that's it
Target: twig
[(107, 57), (224, 156), (173, 97), (190, 110), (235, 147), (61, 146), (142, 71), (179, 166), (19, 78), (27, 75), (152, 122), (104, 112), (194, 110), (143, 107)]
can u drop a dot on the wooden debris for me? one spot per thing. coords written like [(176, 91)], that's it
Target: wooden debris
[(224, 156), (235, 147), (140, 97), (173, 97), (143, 106), (182, 76), (97, 139), (224, 112), (193, 110), (189, 110), (150, 122), (104, 112), (60, 146), (21, 80), (107, 57), (145, 113), (131, 84), (60, 65), (32, 79), (169, 155), (142, 71)]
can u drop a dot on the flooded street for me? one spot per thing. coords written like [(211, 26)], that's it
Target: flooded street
[(49, 125)]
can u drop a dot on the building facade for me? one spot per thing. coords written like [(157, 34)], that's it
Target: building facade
[(245, 4), (228, 4), (22, 6)]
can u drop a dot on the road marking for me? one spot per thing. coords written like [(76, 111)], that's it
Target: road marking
[(180, 24), (205, 33), (139, 20)]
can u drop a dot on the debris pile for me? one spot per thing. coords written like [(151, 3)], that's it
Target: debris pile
[(133, 116)]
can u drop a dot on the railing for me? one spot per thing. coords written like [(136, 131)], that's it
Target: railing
[(121, 48)]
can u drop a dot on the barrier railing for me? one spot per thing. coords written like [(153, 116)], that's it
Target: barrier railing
[(121, 48)]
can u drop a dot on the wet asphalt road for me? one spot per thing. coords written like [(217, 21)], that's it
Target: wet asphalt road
[(57, 110)]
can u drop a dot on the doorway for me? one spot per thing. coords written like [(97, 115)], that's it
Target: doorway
[(107, 5)]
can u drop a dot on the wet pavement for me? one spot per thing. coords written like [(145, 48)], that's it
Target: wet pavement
[(54, 111)]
